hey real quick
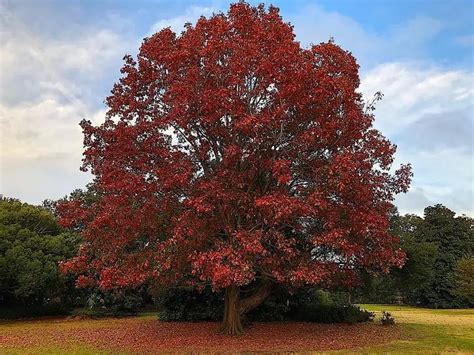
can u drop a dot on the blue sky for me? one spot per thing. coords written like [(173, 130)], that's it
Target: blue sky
[(59, 60)]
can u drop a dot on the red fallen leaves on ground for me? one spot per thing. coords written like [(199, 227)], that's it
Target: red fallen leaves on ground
[(149, 335)]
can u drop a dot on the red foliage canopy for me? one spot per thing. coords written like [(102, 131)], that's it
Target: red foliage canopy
[(230, 153)]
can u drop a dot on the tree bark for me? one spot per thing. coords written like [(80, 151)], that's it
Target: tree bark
[(234, 307), (232, 324)]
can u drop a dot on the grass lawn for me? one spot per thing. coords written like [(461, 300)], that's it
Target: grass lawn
[(418, 330), (429, 330)]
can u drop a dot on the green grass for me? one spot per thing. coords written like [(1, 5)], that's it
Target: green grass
[(428, 331)]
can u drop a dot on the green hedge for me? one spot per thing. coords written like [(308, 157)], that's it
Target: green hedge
[(19, 311)]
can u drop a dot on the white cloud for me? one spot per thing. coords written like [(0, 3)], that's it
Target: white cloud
[(41, 149), (42, 128), (427, 112), (414, 90), (176, 23), (31, 64), (47, 87), (413, 202), (36, 179)]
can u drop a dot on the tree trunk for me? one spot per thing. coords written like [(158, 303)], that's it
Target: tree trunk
[(231, 324), (234, 308)]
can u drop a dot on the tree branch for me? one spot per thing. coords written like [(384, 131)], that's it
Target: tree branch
[(254, 300)]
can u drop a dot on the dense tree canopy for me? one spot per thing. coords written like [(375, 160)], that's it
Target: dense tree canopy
[(404, 284), (421, 254), (31, 245), (454, 237), (464, 279), (232, 156)]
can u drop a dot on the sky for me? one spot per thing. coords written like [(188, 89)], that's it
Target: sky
[(60, 59)]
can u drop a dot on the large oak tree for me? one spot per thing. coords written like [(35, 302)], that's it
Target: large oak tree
[(232, 156)]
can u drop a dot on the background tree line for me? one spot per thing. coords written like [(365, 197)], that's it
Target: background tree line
[(439, 266), (438, 272)]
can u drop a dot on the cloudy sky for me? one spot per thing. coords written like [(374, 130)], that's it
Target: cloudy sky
[(59, 60)]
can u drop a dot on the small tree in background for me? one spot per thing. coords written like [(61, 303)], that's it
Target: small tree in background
[(231, 156)]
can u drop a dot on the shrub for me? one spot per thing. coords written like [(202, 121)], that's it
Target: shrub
[(309, 305), (387, 319), (306, 305), (335, 313), (275, 308), (111, 304), (178, 304)]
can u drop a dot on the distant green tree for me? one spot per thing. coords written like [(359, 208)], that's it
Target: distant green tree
[(454, 238), (406, 283), (31, 245), (418, 271), (464, 279)]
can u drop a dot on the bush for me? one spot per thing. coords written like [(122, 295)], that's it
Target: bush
[(306, 305), (272, 310), (309, 305), (332, 314), (111, 304), (179, 304), (387, 319)]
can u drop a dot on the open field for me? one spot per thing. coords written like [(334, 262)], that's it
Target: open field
[(429, 330), (418, 331)]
